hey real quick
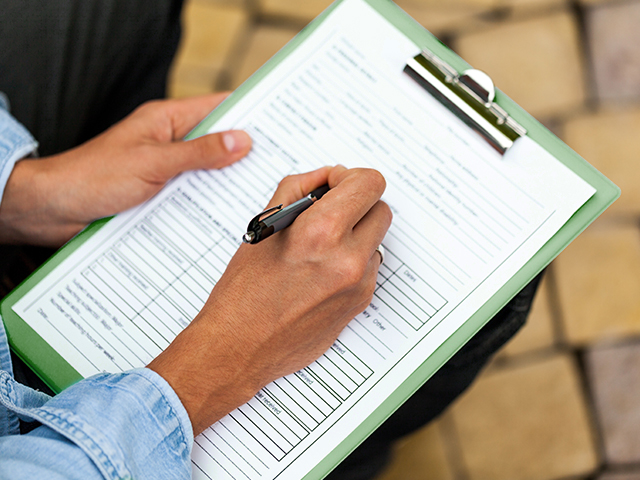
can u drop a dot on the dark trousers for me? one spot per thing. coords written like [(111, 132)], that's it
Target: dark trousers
[(71, 68)]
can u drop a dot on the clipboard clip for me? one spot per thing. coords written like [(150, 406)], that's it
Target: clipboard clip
[(469, 95)]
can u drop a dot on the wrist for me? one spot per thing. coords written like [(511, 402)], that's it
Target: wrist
[(31, 210), (209, 378)]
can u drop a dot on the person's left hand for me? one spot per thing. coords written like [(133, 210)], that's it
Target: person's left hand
[(48, 200)]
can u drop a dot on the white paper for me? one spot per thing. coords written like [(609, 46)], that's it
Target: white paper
[(465, 221)]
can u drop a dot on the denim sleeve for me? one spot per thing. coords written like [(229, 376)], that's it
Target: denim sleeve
[(110, 426), (15, 143)]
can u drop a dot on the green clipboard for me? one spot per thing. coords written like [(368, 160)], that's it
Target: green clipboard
[(58, 374)]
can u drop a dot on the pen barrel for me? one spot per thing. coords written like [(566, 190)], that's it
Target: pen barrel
[(285, 217), (319, 192), (258, 229)]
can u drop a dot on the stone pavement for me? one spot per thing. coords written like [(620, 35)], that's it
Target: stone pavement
[(562, 401)]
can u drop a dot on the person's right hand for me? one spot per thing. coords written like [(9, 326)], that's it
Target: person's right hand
[(282, 302)]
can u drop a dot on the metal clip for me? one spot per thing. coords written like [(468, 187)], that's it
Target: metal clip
[(469, 95), (253, 224)]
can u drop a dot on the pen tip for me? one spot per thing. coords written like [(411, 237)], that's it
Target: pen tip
[(248, 237)]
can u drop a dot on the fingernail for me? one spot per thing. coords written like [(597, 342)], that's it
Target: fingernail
[(235, 141)]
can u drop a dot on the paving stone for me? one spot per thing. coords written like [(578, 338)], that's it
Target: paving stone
[(245, 4), (609, 140), (536, 62), (434, 15), (209, 33), (305, 10), (420, 456), (596, 2), (615, 383), (188, 81), (614, 38), (534, 5), (598, 279), (528, 422), (538, 332), (265, 42), (620, 476), (481, 3), (451, 3), (444, 18)]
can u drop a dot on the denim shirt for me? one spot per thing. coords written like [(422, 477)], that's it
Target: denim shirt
[(15, 143), (113, 426)]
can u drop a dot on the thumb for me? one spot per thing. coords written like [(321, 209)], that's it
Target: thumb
[(215, 150), (294, 187)]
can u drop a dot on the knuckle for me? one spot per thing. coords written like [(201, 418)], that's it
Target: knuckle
[(329, 228), (351, 268), (149, 107), (286, 182), (375, 179), (314, 234)]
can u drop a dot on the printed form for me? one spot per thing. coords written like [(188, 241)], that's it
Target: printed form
[(465, 220)]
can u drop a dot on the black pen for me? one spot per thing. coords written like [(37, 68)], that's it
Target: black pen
[(260, 228)]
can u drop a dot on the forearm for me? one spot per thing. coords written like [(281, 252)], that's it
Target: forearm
[(31, 211), (15, 144)]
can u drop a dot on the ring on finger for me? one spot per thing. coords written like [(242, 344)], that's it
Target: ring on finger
[(380, 250)]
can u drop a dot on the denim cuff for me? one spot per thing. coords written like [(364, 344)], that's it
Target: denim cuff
[(131, 425), (15, 144)]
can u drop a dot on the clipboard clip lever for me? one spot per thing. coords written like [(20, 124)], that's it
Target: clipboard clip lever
[(469, 95)]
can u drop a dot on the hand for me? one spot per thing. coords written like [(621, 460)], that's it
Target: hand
[(282, 302), (48, 200)]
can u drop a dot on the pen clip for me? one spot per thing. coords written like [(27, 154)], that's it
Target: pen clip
[(253, 224)]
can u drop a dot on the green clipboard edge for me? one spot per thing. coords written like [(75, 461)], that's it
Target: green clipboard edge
[(34, 351)]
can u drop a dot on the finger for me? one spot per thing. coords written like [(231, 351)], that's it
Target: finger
[(186, 113), (372, 228), (368, 286), (369, 233), (336, 174), (215, 150), (352, 195), (294, 187)]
